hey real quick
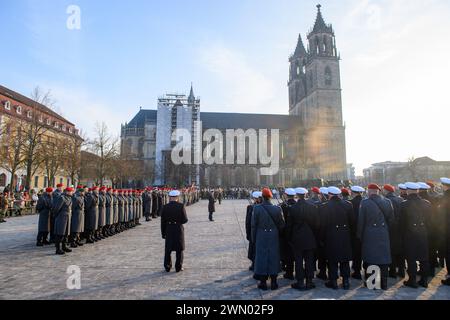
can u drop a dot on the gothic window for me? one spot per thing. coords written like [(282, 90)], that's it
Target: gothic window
[(317, 46), (304, 69), (2, 180), (298, 70), (328, 76), (19, 109), (8, 105)]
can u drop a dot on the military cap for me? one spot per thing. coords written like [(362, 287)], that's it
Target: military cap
[(290, 192), (357, 189), (301, 191), (334, 191), (412, 186), (445, 181)]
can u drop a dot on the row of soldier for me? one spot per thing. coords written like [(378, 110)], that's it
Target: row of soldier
[(71, 216), (324, 230)]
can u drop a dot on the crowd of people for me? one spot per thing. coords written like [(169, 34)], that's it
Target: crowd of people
[(331, 233), (70, 218), (17, 203)]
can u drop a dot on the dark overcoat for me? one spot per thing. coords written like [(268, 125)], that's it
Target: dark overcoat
[(101, 210), (444, 211), (376, 215), (335, 229), (267, 224), (91, 211), (121, 207), (173, 217), (62, 211), (211, 203), (248, 232), (109, 214), (130, 207), (115, 199), (286, 252), (394, 230), (300, 225), (154, 203), (147, 203), (44, 207), (414, 216), (77, 222)]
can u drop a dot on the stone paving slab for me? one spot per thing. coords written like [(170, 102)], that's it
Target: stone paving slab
[(129, 265)]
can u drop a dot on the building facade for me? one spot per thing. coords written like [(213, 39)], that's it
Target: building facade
[(312, 135), (19, 110)]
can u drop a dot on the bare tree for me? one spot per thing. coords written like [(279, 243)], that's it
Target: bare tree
[(412, 168), (11, 152), (105, 147), (53, 157), (72, 156), (34, 131)]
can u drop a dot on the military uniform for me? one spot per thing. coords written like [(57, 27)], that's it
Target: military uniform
[(287, 256), (78, 217), (356, 242), (91, 216), (62, 211), (44, 208)]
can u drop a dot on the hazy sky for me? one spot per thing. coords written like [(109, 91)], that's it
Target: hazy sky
[(395, 64)]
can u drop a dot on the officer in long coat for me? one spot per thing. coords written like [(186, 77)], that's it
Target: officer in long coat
[(102, 213), (125, 209), (248, 228), (357, 193), (287, 256), (414, 216), (78, 217), (301, 224), (154, 204), (335, 225), (376, 215), (397, 268), (109, 214), (62, 211), (121, 210), (321, 252), (173, 218), (56, 193), (147, 203), (267, 224), (130, 209), (91, 215), (211, 205), (444, 210), (115, 196), (44, 208)]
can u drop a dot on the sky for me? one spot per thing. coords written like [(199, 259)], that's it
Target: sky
[(395, 66)]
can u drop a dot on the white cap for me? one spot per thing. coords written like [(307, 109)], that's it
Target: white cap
[(290, 192), (324, 190), (274, 191), (402, 186), (357, 189), (423, 186), (255, 194), (301, 191), (334, 191), (445, 181), (412, 186), (174, 193)]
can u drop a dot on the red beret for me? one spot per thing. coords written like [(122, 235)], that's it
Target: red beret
[(59, 185), (267, 193), (431, 184), (49, 190), (90, 189), (373, 186), (94, 188), (80, 187), (389, 188), (69, 189), (315, 190), (345, 192)]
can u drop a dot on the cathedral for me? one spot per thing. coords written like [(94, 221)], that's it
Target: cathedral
[(312, 136)]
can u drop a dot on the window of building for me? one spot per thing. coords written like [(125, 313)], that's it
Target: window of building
[(29, 114), (328, 76), (19, 109), (70, 130), (56, 125), (63, 127), (46, 182), (61, 180), (41, 118), (2, 180), (36, 182), (49, 121), (7, 105)]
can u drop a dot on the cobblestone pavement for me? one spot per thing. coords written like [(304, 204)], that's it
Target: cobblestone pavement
[(129, 265)]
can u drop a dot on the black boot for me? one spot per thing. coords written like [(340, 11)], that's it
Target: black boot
[(64, 247), (44, 240), (59, 251), (392, 273), (289, 276), (384, 283), (424, 282), (411, 283), (322, 276), (263, 285), (299, 285), (273, 283), (39, 241), (357, 275), (332, 284), (310, 284)]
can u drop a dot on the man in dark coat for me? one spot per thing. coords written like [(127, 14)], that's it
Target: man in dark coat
[(286, 253), (101, 213), (357, 193), (211, 205), (444, 210), (77, 222), (248, 228), (376, 215), (320, 252), (336, 236), (301, 224), (267, 224), (109, 214), (147, 203), (414, 216), (62, 211), (116, 211), (154, 204), (173, 218), (161, 203), (397, 268), (91, 215), (56, 193), (44, 208), (121, 210)]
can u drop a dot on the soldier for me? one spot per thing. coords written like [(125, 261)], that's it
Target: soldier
[(91, 215), (147, 203), (345, 194), (287, 256), (44, 208), (315, 196), (336, 214), (444, 210), (301, 224), (121, 210), (62, 211), (397, 267), (376, 215), (211, 206), (109, 214), (140, 207), (403, 191), (267, 225), (77, 222), (414, 216), (56, 193), (357, 193), (248, 228), (154, 204), (173, 218), (4, 203), (115, 195), (160, 200), (130, 209), (321, 253)]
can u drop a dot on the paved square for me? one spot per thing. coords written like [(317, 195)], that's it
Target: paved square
[(129, 265)]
